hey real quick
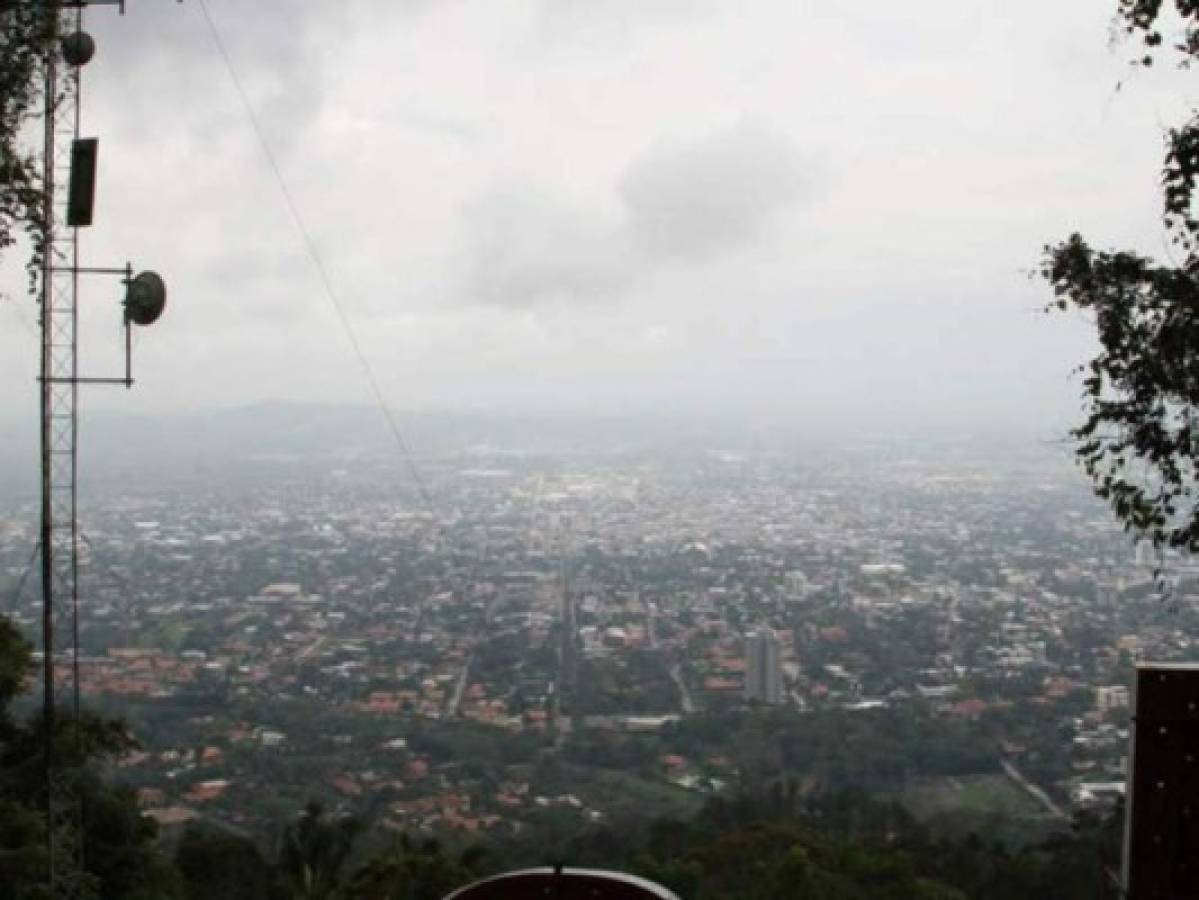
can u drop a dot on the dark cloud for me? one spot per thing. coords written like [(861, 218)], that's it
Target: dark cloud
[(173, 71), (699, 199)]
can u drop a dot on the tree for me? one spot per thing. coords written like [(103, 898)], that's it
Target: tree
[(313, 852), (220, 865), (407, 871), (119, 846), (22, 829), (120, 860), (1139, 439), (28, 29)]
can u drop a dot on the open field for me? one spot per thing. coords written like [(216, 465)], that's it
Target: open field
[(927, 798)]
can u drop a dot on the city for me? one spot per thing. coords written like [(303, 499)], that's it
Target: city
[(568, 640)]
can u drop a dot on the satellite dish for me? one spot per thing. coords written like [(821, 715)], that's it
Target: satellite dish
[(144, 299), (78, 48)]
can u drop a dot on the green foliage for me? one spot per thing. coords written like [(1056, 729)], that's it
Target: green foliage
[(313, 852), (1139, 439), (784, 844), (408, 871), (679, 875), (1141, 18), (1141, 392), (22, 827), (22, 851), (118, 846), (638, 682), (219, 865), (784, 858), (118, 842), (875, 749), (16, 667), (28, 30)]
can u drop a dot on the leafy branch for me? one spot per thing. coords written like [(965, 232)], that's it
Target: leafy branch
[(1139, 439)]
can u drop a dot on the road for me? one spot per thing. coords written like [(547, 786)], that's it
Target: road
[(1034, 791), (567, 652), (451, 707), (676, 672), (688, 704), (651, 631), (311, 649), (455, 701)]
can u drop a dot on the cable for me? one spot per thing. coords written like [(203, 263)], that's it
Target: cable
[(318, 262), (331, 293)]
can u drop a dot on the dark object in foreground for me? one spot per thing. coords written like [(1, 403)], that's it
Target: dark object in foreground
[(1162, 854), (563, 884)]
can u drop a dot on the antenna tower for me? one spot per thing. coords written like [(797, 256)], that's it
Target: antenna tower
[(68, 185)]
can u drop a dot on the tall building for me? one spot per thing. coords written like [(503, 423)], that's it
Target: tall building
[(797, 586), (763, 667)]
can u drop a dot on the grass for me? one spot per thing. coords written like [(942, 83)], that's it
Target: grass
[(626, 793), (988, 805), (987, 794)]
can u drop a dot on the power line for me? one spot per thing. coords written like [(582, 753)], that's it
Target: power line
[(330, 291), (318, 263)]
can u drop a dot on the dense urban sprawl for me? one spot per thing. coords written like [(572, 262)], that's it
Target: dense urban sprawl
[(562, 640)]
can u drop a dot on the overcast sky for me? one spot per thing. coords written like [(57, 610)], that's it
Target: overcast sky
[(790, 207)]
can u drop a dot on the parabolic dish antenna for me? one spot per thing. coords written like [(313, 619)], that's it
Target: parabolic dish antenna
[(78, 48), (144, 298)]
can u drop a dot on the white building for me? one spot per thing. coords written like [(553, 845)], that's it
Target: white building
[(1111, 697)]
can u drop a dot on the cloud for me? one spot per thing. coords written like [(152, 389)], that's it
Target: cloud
[(281, 51), (597, 23), (682, 202), (525, 246), (535, 187), (699, 199)]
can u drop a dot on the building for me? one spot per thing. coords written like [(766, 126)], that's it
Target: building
[(763, 669), (1111, 697), (797, 586)]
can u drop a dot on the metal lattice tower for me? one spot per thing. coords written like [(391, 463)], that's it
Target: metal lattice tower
[(60, 530), (68, 177)]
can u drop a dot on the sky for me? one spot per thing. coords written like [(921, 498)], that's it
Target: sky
[(803, 209)]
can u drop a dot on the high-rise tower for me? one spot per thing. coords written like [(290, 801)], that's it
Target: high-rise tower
[(763, 669)]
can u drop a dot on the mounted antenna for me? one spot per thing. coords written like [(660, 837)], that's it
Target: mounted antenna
[(78, 48), (145, 298)]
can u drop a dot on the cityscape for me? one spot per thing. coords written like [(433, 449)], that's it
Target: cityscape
[(312, 629)]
